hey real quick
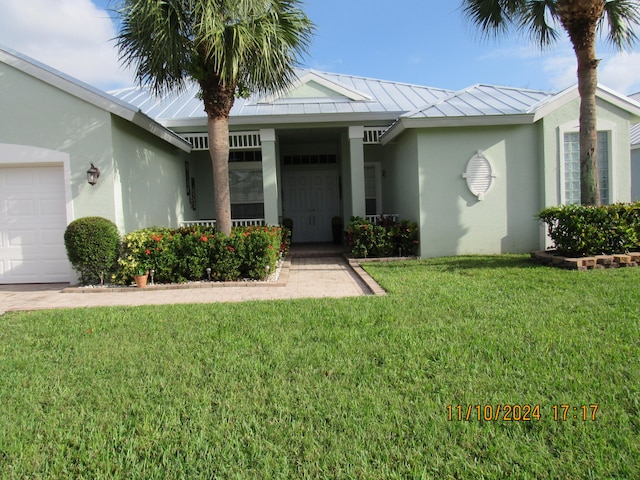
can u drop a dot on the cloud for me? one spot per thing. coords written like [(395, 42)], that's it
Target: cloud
[(621, 72), (73, 36)]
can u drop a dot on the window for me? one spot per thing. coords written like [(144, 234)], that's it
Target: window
[(572, 167), (246, 191), (372, 189)]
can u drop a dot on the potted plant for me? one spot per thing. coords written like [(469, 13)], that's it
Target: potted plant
[(337, 227)]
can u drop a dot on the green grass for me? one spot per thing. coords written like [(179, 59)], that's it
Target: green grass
[(348, 388)]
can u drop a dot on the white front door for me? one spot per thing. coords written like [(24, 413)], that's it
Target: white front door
[(32, 224), (311, 199)]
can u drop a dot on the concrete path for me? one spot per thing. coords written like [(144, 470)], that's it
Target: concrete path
[(301, 277)]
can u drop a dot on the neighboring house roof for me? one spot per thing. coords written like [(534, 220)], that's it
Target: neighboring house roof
[(90, 95), (494, 105), (635, 129), (315, 96)]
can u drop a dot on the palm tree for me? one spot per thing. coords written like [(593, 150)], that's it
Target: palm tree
[(230, 47), (582, 20)]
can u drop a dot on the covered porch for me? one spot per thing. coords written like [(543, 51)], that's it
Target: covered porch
[(307, 176)]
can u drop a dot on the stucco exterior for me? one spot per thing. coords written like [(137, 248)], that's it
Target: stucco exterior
[(135, 165), (333, 145)]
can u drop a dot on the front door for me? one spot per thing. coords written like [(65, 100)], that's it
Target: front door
[(311, 199)]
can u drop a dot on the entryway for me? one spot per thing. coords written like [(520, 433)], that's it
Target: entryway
[(311, 198)]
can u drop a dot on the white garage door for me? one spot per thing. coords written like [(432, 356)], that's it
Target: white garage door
[(32, 225)]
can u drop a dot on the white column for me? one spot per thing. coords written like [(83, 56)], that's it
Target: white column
[(269, 175), (356, 168)]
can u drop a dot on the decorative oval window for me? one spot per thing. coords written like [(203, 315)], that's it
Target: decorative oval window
[(479, 175)]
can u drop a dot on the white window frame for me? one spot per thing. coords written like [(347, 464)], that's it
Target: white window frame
[(378, 179), (607, 126)]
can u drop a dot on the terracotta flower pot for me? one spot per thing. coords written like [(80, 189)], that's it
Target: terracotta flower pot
[(141, 280)]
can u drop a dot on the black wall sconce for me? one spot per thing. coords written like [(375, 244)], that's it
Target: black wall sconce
[(93, 174)]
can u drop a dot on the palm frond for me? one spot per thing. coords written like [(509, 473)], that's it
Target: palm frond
[(155, 38), (622, 16), (539, 19), (493, 17)]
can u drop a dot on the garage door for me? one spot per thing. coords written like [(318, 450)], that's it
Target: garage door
[(32, 225)]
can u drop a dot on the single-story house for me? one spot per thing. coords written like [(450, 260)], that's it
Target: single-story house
[(472, 167), (635, 157)]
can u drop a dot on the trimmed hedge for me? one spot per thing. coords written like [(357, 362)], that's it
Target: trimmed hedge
[(92, 248), (184, 254), (578, 230), (385, 238)]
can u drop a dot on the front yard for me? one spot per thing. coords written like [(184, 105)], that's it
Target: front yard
[(370, 387)]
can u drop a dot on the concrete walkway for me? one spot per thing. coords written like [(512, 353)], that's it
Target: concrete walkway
[(306, 274)]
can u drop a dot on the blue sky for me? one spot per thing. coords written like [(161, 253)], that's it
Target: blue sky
[(425, 42)]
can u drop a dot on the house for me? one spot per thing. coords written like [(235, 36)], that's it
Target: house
[(472, 168), (635, 157), (53, 128)]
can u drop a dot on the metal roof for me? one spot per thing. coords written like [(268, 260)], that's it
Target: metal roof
[(484, 100), (383, 98), (635, 129)]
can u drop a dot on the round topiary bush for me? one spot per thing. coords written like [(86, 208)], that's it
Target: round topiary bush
[(92, 248)]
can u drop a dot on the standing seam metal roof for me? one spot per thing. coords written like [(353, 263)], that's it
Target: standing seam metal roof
[(386, 97), (483, 100), (635, 129)]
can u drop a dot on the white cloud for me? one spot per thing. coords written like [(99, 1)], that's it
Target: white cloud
[(73, 36), (621, 72)]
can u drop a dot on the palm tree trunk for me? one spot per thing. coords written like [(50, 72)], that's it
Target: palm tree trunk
[(218, 101), (580, 19), (218, 128), (587, 85)]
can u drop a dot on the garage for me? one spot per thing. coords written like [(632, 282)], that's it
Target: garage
[(32, 224)]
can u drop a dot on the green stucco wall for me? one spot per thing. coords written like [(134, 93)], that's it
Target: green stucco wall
[(635, 175), (453, 221), (610, 118), (140, 174), (39, 115), (149, 179), (402, 178)]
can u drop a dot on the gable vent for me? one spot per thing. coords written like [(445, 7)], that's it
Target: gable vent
[(237, 140), (372, 134), (479, 175)]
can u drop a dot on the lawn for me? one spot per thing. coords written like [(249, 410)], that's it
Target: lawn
[(369, 387)]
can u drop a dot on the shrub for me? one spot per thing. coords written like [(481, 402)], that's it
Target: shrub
[(184, 254), (92, 248), (385, 238), (578, 230), (262, 246)]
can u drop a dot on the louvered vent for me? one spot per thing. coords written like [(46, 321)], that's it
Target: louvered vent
[(237, 140), (372, 134), (479, 175)]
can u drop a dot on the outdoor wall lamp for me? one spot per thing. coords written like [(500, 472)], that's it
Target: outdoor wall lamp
[(93, 174)]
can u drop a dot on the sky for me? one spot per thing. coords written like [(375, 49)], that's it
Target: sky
[(423, 42)]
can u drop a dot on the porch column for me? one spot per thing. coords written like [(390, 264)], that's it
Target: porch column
[(356, 170), (269, 175)]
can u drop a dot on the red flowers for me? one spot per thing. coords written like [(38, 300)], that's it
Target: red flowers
[(204, 238), (147, 251), (231, 249)]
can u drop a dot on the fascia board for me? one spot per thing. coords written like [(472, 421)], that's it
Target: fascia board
[(570, 94), (289, 120), (447, 122), (557, 101)]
